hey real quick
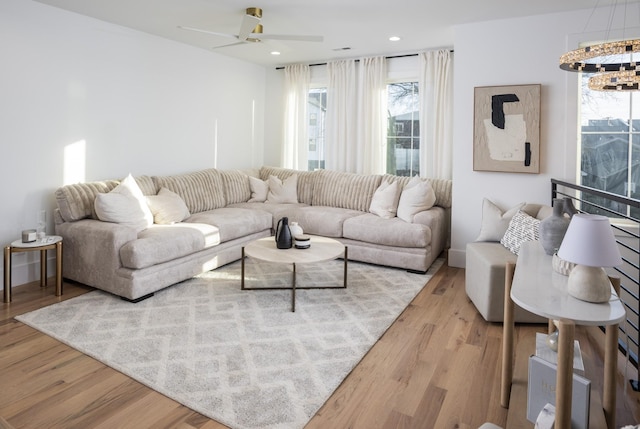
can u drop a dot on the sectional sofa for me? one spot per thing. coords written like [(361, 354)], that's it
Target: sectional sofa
[(202, 219)]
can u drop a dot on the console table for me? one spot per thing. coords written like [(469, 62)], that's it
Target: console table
[(536, 287)]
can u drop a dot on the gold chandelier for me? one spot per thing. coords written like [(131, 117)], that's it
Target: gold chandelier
[(612, 61)]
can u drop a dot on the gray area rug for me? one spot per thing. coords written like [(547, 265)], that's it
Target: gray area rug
[(241, 357)]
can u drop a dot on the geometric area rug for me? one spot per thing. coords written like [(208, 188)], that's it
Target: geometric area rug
[(241, 357)]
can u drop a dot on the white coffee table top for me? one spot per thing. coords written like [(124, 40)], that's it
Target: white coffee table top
[(538, 288), (321, 249)]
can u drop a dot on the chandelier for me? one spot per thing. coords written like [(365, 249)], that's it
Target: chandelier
[(612, 61)]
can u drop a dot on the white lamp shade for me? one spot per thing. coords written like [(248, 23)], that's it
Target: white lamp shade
[(589, 240)]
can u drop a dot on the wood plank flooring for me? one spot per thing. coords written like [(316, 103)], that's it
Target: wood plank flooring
[(438, 366)]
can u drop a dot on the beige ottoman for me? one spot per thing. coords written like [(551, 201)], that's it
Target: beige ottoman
[(484, 282)]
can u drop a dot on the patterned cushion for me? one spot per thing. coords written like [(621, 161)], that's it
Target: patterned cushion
[(522, 228), (345, 190), (201, 191), (236, 186)]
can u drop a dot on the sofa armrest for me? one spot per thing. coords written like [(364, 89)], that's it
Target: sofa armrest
[(436, 219), (91, 250)]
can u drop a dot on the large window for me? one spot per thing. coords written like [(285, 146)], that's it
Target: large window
[(403, 132), (610, 143), (317, 110)]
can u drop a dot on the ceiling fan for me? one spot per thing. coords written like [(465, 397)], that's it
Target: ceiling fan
[(251, 31)]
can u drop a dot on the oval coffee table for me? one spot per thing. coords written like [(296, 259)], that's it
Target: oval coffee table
[(321, 249)]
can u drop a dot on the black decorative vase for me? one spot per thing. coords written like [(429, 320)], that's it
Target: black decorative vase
[(283, 234), (553, 228)]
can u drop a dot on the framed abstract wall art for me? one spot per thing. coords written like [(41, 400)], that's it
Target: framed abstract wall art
[(506, 129)]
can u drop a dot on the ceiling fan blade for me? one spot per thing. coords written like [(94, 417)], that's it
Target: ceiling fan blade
[(249, 22), (200, 30), (229, 44), (290, 37)]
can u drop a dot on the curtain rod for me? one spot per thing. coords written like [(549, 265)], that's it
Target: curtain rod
[(357, 61)]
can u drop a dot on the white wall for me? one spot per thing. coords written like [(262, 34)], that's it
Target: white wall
[(511, 52), (140, 104)]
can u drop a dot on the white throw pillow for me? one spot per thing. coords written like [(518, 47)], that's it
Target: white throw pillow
[(167, 207), (417, 196), (283, 192), (259, 190), (522, 228), (494, 221), (385, 200), (125, 204)]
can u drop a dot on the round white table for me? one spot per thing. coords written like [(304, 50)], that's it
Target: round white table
[(49, 242), (321, 249)]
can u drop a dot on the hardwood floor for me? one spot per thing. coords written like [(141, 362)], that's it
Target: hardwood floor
[(438, 366)]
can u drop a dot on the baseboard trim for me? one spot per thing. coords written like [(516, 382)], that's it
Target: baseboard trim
[(457, 258)]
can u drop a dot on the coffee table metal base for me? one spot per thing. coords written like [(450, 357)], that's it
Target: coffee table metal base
[(293, 287)]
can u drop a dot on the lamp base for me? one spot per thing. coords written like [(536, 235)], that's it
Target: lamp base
[(589, 284)]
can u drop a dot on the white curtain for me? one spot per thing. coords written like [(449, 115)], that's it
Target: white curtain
[(436, 111), (341, 130), (296, 142), (372, 116), (356, 116)]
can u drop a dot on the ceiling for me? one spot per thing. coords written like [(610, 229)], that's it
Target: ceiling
[(363, 26)]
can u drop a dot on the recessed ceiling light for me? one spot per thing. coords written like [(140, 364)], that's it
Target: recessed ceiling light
[(394, 38), (275, 53)]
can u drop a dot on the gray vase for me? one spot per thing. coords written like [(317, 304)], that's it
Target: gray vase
[(553, 228)]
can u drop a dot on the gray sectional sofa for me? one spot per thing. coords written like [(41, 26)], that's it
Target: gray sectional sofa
[(134, 263)]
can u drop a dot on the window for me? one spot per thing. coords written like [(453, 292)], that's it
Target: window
[(317, 110), (610, 144), (403, 132)]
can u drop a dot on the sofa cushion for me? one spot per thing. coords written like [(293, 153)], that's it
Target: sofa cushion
[(345, 190), (495, 221), (416, 196), (167, 207), (388, 232), (236, 186), (201, 190), (234, 222), (442, 188), (522, 228), (124, 205), (306, 180), (77, 201), (318, 220), (282, 191), (385, 200), (162, 243), (259, 190)]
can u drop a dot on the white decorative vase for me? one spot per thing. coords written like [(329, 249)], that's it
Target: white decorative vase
[(296, 230)]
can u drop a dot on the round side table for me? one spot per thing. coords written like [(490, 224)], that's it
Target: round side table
[(49, 242)]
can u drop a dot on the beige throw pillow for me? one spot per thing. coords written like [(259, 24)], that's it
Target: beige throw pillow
[(125, 205), (259, 190), (385, 200), (417, 196), (167, 207), (283, 192), (494, 221)]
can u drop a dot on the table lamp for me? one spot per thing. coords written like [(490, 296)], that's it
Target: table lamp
[(590, 244)]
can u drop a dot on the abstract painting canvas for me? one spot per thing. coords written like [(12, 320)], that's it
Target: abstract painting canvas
[(506, 131)]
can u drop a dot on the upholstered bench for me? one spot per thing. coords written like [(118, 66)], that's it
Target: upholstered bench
[(486, 259)]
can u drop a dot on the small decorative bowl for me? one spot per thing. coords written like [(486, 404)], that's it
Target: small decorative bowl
[(561, 266), (302, 241)]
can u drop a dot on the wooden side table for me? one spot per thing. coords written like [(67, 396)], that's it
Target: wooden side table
[(50, 242), (539, 289)]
